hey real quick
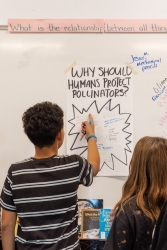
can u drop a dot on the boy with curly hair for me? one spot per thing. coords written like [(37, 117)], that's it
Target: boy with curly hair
[(42, 190)]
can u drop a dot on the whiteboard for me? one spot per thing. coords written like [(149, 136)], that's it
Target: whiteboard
[(32, 69), (109, 9)]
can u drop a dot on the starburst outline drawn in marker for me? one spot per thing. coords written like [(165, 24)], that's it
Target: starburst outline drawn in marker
[(98, 111)]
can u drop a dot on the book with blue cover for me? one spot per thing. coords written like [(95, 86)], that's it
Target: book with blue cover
[(105, 222)]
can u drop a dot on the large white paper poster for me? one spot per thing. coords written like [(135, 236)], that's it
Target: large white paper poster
[(107, 93)]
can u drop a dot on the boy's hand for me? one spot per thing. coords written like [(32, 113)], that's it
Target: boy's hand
[(87, 128)]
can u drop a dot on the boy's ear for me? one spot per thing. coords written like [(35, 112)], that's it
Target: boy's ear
[(60, 137)]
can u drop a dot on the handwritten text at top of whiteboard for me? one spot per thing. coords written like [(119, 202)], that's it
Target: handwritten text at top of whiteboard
[(87, 26)]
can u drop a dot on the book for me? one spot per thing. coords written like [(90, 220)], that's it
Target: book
[(105, 222), (87, 204), (90, 224)]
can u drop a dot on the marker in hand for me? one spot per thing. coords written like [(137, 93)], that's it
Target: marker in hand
[(90, 122)]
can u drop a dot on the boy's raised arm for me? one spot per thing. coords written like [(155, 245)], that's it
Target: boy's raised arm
[(92, 154)]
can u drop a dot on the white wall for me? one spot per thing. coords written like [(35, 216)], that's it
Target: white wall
[(119, 9)]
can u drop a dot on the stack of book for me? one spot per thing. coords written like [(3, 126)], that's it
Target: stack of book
[(86, 204), (94, 221)]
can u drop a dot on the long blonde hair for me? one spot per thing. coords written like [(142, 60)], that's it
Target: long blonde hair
[(147, 177)]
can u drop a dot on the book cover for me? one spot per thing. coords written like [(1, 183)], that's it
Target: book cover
[(90, 224), (87, 204), (105, 222)]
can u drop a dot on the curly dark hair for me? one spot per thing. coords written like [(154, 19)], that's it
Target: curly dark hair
[(42, 123)]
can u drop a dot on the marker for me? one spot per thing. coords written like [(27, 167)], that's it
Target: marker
[(90, 122)]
